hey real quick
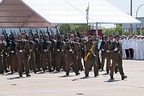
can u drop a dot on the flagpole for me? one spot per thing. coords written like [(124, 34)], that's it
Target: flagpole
[(87, 16)]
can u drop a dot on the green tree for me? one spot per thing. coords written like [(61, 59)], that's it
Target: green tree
[(73, 28)]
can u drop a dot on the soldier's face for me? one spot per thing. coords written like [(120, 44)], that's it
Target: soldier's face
[(23, 36), (72, 38), (117, 38), (111, 38), (90, 38), (47, 38)]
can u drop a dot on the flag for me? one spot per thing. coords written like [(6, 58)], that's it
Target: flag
[(87, 13)]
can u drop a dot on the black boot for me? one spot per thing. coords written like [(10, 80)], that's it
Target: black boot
[(124, 77)]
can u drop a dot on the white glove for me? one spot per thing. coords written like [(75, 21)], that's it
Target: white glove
[(108, 51), (20, 51), (70, 50), (102, 49), (116, 49)]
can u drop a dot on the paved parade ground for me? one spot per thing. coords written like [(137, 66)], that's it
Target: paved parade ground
[(56, 84)]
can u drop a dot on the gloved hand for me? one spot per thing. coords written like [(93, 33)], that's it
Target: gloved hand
[(116, 49), (108, 51)]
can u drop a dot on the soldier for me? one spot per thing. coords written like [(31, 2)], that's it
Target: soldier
[(95, 41), (109, 52), (2, 51), (118, 59), (23, 55), (60, 54), (46, 54), (78, 53), (53, 51), (90, 57), (11, 49), (32, 58), (71, 61), (37, 51), (3, 44), (103, 51)]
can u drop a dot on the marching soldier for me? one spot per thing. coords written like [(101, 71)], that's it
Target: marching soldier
[(37, 52), (78, 53), (95, 41), (103, 51), (53, 51), (2, 53), (90, 57), (71, 61), (60, 54), (11, 49), (109, 46), (32, 62), (118, 58), (23, 55), (46, 54)]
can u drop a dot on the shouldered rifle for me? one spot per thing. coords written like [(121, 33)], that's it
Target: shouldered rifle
[(86, 57)]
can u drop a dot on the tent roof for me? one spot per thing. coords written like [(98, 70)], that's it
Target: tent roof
[(41, 13), (74, 11), (15, 14)]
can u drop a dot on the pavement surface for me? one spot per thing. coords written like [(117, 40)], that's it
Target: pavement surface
[(56, 84)]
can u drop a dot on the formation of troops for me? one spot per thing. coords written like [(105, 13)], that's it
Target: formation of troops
[(133, 47), (54, 53)]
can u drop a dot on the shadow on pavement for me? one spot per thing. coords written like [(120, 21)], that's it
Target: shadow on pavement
[(110, 80)]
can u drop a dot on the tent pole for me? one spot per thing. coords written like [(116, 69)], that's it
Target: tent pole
[(96, 29), (141, 29)]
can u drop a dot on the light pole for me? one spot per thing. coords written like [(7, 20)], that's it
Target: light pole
[(137, 13), (131, 15)]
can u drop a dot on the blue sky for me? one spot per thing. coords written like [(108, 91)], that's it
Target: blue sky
[(124, 5)]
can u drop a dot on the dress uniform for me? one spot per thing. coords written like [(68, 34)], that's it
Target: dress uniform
[(90, 57), (103, 52), (53, 53), (60, 54), (3, 55), (37, 52), (11, 49), (32, 58), (95, 41), (71, 60), (23, 55), (78, 54), (46, 54), (109, 46), (118, 59)]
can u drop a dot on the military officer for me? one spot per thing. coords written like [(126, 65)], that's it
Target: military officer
[(46, 54), (103, 52), (118, 58), (71, 61), (60, 54), (11, 49), (37, 51), (23, 55), (109, 46), (78, 53), (90, 57), (32, 58)]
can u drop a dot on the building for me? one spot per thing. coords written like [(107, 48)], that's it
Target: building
[(135, 27)]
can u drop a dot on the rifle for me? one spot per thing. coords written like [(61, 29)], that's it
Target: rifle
[(86, 57)]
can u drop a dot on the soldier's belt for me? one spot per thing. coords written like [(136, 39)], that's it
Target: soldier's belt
[(12, 51), (21, 50), (45, 50)]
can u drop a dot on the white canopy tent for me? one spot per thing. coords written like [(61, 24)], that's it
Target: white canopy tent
[(74, 11), (43, 13)]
